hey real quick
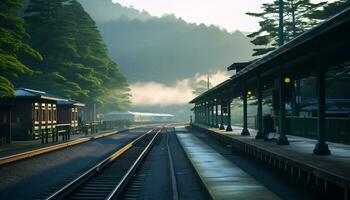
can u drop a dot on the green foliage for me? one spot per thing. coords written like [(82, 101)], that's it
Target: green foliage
[(330, 9), (12, 34), (76, 62), (6, 88), (296, 20)]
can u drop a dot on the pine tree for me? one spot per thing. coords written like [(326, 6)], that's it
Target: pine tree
[(296, 21), (76, 62), (12, 34), (331, 9)]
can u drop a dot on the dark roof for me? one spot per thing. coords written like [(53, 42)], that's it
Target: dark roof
[(310, 37), (211, 91), (307, 36), (70, 102), (30, 93), (37, 94), (238, 66)]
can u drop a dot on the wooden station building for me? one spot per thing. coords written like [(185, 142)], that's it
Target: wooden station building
[(67, 112), (31, 113)]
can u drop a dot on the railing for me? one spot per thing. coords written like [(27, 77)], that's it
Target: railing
[(53, 132), (337, 129)]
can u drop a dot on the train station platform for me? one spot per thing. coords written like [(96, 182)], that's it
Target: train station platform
[(222, 179), (24, 147), (296, 159)]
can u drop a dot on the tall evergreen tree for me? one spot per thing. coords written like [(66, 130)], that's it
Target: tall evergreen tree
[(12, 34), (296, 20), (331, 9), (76, 62)]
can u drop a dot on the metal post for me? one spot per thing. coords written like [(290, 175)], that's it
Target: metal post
[(201, 114), (52, 133), (222, 115), (42, 135), (46, 135), (245, 130), (212, 114), (195, 113), (321, 148), (216, 114), (229, 128), (208, 113), (10, 126), (282, 140), (56, 134), (260, 134)]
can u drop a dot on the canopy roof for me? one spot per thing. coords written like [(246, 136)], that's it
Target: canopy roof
[(330, 39)]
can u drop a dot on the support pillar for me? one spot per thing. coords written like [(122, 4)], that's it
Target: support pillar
[(245, 130), (195, 113), (321, 148), (216, 114), (222, 115), (203, 114), (199, 114), (229, 128), (282, 140), (212, 114), (208, 114), (260, 133)]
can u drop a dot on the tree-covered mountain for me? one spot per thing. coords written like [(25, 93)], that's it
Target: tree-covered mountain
[(12, 45), (75, 59), (164, 49)]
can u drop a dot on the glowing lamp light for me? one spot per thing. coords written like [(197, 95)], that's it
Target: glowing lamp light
[(249, 92), (287, 80)]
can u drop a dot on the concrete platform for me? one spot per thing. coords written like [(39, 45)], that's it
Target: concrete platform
[(297, 158), (221, 177)]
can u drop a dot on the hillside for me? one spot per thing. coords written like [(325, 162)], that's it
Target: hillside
[(164, 49)]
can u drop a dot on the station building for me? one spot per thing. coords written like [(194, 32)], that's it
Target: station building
[(31, 113)]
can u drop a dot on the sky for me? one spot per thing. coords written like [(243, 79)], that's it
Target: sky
[(228, 14)]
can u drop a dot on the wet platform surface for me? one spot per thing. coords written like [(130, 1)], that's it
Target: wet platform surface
[(222, 178), (334, 167)]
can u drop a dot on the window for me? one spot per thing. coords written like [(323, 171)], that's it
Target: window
[(36, 113), (54, 113), (49, 112), (43, 113)]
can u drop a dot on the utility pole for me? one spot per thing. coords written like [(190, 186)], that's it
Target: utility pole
[(208, 82), (281, 24)]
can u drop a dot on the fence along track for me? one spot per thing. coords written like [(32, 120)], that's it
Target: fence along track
[(101, 181)]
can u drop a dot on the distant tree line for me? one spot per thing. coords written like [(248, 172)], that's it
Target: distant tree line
[(55, 46)]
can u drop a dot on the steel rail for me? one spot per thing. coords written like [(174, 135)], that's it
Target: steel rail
[(124, 181), (71, 186)]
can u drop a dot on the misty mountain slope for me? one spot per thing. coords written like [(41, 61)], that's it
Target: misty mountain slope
[(165, 49), (105, 10)]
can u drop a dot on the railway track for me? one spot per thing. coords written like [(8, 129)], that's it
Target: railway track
[(108, 179), (138, 187)]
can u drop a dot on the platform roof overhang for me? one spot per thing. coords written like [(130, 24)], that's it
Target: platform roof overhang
[(328, 43)]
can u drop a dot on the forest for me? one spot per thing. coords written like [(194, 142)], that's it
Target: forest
[(55, 46)]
